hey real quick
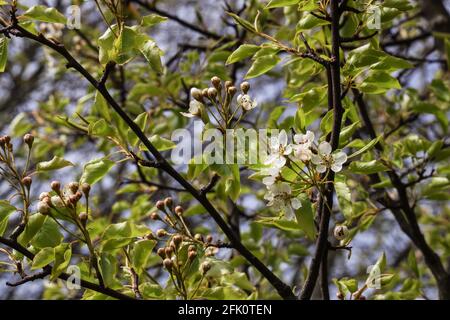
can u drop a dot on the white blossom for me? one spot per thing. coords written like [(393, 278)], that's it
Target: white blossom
[(325, 159), (280, 198), (194, 109), (273, 173), (279, 149), (302, 148), (246, 102)]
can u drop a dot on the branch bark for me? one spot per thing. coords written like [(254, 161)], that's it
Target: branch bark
[(326, 200)]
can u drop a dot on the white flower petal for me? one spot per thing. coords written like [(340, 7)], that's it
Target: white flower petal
[(284, 188), (268, 181), (280, 162), (336, 167), (339, 158), (321, 168), (310, 136), (296, 203), (289, 213), (324, 148), (287, 150), (316, 159), (186, 114), (283, 138)]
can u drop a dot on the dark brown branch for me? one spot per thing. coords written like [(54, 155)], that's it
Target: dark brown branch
[(326, 200), (406, 217), (359, 38), (180, 21), (64, 276)]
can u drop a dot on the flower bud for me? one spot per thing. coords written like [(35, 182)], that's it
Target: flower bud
[(205, 93), (57, 202), (73, 186), (179, 210), (83, 216), (161, 252), (228, 84), (26, 181), (205, 267), (209, 238), (212, 93), (177, 239), (192, 248), (7, 139), (168, 264), (86, 188), (73, 199), (149, 236), (56, 186), (47, 201), (168, 202), (232, 91), (160, 205), (2, 141), (168, 251), (198, 237), (161, 233), (154, 216), (192, 255), (197, 94), (245, 86), (43, 208), (44, 195), (216, 82), (28, 139), (340, 232)]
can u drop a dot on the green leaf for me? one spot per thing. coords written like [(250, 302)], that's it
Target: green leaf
[(262, 65), (233, 184), (35, 222), (244, 51), (161, 143), (48, 235), (108, 268), (95, 170), (141, 253), (305, 217), (281, 3), (6, 209), (101, 106), (45, 14), (344, 196), (43, 258), (309, 21), (244, 23), (366, 147), (63, 254), (20, 125), (152, 54), (369, 167), (152, 19), (326, 124), (3, 53), (54, 164), (379, 82)]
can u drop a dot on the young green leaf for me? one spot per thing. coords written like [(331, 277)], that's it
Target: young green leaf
[(262, 65), (54, 164), (244, 51), (95, 170), (281, 3), (44, 14), (3, 53)]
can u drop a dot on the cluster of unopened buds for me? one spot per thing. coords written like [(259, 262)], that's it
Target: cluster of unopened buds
[(297, 156), (218, 100), (66, 197), (181, 246)]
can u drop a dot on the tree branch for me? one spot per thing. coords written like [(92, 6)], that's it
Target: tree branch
[(326, 200), (64, 276)]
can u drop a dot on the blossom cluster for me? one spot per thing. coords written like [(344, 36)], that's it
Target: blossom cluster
[(305, 159)]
